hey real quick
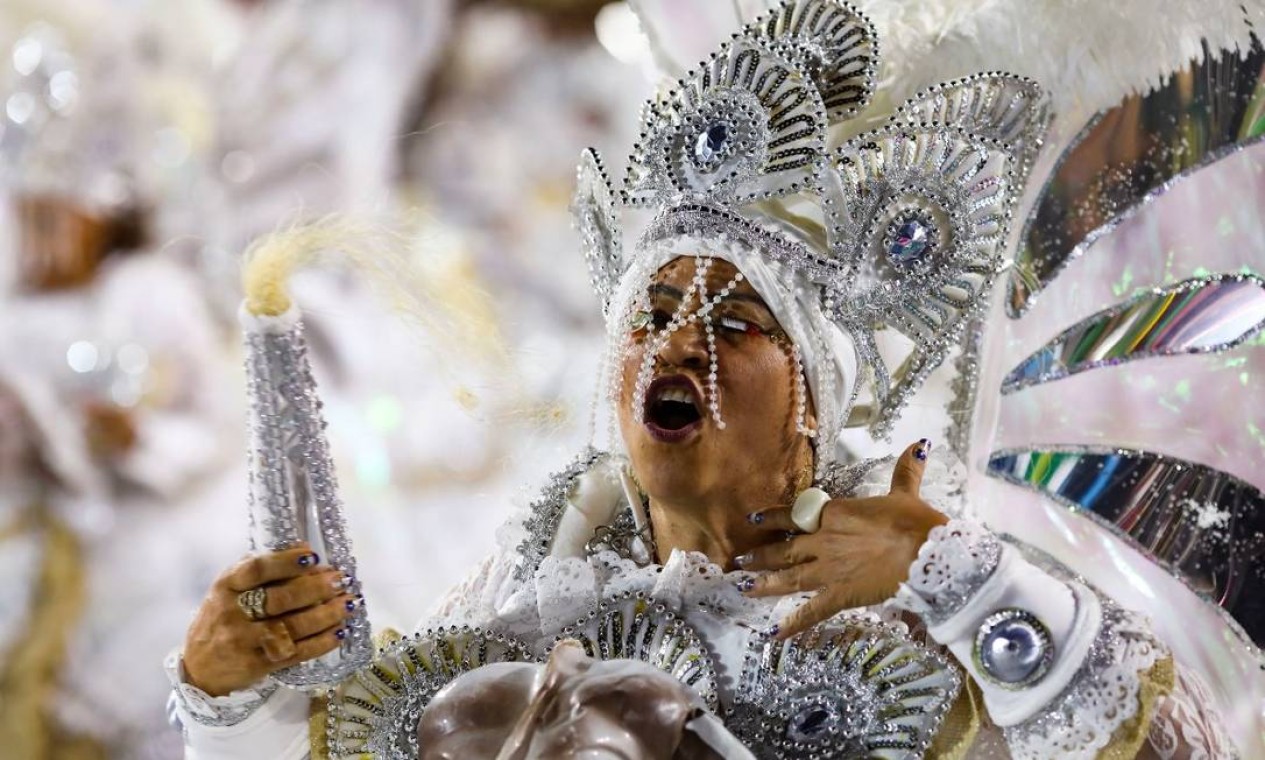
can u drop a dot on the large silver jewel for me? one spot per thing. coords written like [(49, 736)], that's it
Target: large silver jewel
[(713, 144), (863, 691), (1013, 648), (911, 237)]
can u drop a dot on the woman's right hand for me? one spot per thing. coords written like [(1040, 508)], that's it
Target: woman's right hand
[(306, 608)]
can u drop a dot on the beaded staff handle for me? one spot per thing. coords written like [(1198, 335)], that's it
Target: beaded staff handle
[(293, 490)]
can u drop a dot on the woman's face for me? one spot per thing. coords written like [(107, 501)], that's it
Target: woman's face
[(678, 451)]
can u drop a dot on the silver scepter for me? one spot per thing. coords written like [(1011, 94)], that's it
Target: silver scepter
[(293, 489)]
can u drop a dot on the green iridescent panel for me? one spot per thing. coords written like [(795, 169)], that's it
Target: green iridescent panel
[(1200, 315)]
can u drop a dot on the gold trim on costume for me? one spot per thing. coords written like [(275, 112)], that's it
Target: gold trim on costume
[(318, 713), (1127, 741), (961, 726), (29, 677)]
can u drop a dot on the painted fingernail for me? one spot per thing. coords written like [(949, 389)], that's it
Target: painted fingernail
[(309, 560), (773, 630), (340, 582), (755, 518), (350, 605), (340, 634), (924, 441), (920, 451), (745, 585), (742, 560)]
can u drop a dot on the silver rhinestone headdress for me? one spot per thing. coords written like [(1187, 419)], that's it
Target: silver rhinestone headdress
[(900, 228)]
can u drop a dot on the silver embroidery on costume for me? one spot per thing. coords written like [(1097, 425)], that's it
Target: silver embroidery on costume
[(864, 691), (546, 511), (375, 711), (952, 564), (228, 710)]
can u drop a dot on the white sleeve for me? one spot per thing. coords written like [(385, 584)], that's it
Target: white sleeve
[(1059, 667), (262, 723)]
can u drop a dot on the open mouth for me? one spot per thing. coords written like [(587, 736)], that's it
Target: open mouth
[(673, 408)]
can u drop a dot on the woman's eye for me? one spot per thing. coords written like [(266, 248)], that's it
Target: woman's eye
[(643, 319), (640, 320), (734, 324)]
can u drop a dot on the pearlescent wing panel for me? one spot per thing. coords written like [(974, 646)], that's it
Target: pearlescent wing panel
[(1199, 407), (1197, 316), (1203, 525), (1132, 152), (1207, 222)]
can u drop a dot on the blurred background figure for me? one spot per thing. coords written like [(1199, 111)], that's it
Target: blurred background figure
[(143, 145), (119, 410)]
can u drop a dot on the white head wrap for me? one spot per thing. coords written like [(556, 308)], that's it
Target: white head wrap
[(827, 352)]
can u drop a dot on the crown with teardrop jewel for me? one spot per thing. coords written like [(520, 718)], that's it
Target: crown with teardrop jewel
[(902, 227)]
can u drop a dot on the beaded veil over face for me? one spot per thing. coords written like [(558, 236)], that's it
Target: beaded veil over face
[(898, 231)]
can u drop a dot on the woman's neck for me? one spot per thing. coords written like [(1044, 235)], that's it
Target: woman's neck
[(717, 528)]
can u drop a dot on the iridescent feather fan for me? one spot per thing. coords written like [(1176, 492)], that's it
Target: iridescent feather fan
[(901, 228), (1125, 361)]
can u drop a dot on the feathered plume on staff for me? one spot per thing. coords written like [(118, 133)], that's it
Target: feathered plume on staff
[(293, 488)]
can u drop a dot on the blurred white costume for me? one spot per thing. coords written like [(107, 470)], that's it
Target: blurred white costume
[(103, 559), (1009, 651), (310, 99)]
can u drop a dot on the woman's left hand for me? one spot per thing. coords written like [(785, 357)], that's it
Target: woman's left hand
[(859, 555)]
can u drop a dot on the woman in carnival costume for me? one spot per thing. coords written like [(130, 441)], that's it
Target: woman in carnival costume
[(731, 582)]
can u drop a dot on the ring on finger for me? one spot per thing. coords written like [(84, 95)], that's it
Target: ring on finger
[(806, 512), (252, 602), (276, 641)]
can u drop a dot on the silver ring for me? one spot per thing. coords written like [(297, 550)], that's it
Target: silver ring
[(806, 512), (252, 601)]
